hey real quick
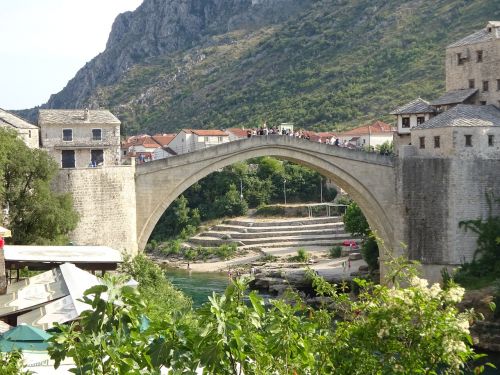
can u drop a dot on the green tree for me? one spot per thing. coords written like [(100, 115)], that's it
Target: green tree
[(370, 253), (108, 338), (231, 204), (385, 330), (12, 364), (161, 298), (386, 148), (355, 222), (36, 214)]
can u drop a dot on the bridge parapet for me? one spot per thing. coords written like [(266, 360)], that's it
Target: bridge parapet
[(301, 145)]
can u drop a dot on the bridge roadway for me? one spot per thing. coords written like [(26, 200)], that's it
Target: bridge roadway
[(369, 178)]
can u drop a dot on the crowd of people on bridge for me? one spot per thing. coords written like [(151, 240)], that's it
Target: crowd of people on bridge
[(303, 134)]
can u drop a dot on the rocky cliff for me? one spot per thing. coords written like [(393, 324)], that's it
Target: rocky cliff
[(323, 64), (159, 27)]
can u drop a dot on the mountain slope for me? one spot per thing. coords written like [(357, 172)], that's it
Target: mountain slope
[(319, 64)]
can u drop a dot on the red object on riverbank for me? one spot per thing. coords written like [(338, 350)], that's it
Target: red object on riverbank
[(2, 242), (350, 243)]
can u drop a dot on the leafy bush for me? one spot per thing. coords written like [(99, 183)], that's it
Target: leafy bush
[(385, 330), (370, 253), (335, 252), (355, 222), (12, 363)]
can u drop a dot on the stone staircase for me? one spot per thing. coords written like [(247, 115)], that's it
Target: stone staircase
[(257, 234)]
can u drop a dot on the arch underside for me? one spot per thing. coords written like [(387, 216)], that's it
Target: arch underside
[(346, 174)]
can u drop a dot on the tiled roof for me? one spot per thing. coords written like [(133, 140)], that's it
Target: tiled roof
[(76, 116), (479, 36), (377, 127), (206, 132), (238, 132), (163, 139), (418, 105), (14, 121), (454, 97), (464, 115)]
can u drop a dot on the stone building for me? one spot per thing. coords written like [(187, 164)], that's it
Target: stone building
[(29, 133), (472, 63), (80, 138), (452, 163), (408, 116), (465, 131)]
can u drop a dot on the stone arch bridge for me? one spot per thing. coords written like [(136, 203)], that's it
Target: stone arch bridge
[(368, 178), (412, 199)]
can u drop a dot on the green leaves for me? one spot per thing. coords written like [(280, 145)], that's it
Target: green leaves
[(36, 214), (416, 329)]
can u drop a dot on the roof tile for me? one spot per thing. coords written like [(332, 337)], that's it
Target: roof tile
[(464, 115)]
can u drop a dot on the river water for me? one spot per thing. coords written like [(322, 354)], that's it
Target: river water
[(198, 285)]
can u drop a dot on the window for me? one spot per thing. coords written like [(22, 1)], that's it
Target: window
[(67, 135), (422, 142), (68, 158), (498, 84), (482, 102), (96, 134), (479, 56), (460, 59), (437, 141), (420, 120), (485, 86), (96, 157), (29, 133), (490, 140), (405, 122), (468, 140), (221, 139), (472, 83)]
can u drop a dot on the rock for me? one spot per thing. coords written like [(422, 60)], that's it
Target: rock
[(363, 268), (159, 27), (355, 256)]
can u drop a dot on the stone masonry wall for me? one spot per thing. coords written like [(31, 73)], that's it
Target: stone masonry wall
[(105, 199), (425, 189), (437, 194), (458, 76)]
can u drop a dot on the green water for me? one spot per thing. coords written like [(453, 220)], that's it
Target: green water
[(198, 285)]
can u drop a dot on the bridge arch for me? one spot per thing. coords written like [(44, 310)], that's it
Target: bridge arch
[(367, 177)]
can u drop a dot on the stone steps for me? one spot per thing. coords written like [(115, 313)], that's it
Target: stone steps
[(237, 236), (283, 222), (246, 229), (260, 234)]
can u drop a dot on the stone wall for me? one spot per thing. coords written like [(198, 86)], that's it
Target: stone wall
[(438, 193), (105, 199), (458, 76)]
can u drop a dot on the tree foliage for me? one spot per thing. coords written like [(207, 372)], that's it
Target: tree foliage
[(386, 330), (485, 265), (36, 214), (355, 222), (218, 195), (11, 363)]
